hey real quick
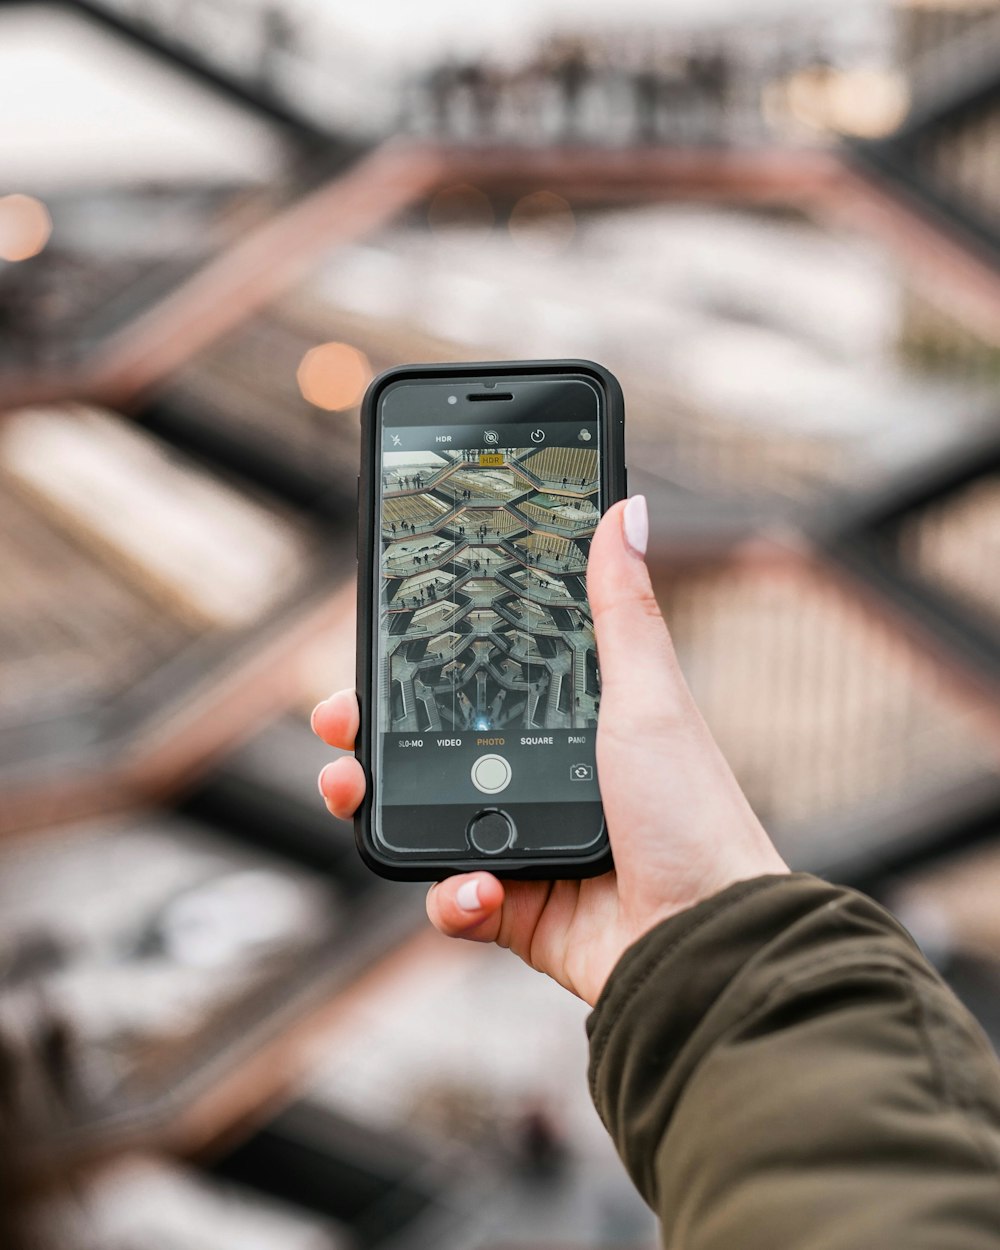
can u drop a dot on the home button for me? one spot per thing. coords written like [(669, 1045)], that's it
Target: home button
[(490, 832)]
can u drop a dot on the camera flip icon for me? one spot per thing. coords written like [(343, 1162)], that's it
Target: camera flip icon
[(581, 772)]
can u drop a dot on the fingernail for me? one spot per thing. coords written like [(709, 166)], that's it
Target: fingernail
[(312, 718), (636, 524), (322, 774), (467, 896)]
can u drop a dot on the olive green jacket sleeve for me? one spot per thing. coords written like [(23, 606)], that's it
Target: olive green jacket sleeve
[(780, 1068)]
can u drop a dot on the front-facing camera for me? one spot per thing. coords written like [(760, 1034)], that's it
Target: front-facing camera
[(452, 399)]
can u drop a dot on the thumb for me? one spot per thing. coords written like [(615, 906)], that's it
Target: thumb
[(641, 682), (680, 826)]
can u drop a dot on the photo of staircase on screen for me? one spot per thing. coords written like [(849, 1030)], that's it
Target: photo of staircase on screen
[(484, 601)]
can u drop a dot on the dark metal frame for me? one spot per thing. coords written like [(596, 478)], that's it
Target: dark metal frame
[(860, 541), (394, 1193), (895, 161), (183, 57)]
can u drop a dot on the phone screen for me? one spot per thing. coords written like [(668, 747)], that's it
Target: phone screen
[(487, 682)]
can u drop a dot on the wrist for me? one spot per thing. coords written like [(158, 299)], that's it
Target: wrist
[(643, 920)]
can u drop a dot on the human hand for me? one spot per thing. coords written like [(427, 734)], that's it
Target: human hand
[(681, 829)]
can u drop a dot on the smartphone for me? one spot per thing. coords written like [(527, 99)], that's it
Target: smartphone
[(480, 490)]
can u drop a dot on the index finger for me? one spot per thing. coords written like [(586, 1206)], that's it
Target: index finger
[(336, 720)]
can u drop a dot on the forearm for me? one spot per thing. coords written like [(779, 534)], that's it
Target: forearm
[(780, 1067)]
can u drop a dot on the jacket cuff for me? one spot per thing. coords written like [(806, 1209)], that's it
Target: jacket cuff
[(677, 990)]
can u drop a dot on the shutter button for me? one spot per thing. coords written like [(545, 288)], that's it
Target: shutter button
[(491, 774)]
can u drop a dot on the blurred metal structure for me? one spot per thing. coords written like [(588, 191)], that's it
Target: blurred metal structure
[(836, 612), (929, 545), (389, 1192), (943, 159), (190, 958), (123, 678), (182, 53)]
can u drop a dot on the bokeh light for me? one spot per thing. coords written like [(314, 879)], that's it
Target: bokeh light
[(542, 222), (869, 103), (460, 205), (25, 227), (334, 376)]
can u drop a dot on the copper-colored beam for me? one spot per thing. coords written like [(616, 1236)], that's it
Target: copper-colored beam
[(249, 1093), (790, 550), (967, 283), (186, 739), (602, 175), (272, 257), (258, 269), (971, 688), (239, 1090)]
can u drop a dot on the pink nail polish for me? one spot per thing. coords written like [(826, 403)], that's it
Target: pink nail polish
[(467, 896), (636, 524)]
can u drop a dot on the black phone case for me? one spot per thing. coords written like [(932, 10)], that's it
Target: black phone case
[(614, 488)]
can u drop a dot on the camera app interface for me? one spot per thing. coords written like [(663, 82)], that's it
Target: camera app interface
[(488, 679)]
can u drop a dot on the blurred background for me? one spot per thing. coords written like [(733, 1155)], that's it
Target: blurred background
[(779, 225)]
